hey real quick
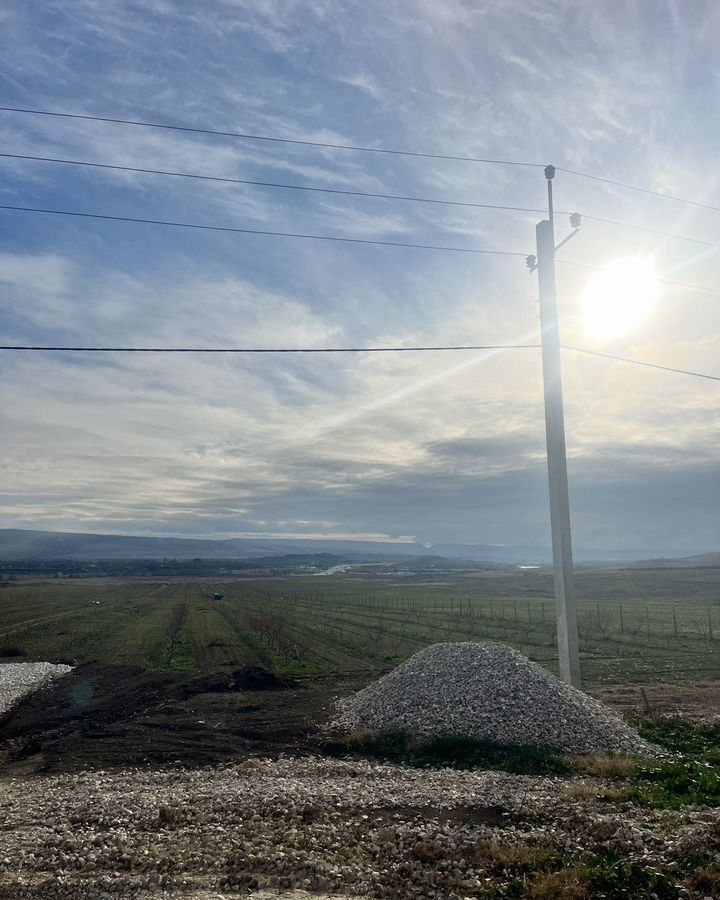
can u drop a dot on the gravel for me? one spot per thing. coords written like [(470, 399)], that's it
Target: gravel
[(312, 824), (19, 679), (486, 690)]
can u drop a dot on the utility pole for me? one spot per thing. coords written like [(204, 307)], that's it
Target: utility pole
[(565, 603)]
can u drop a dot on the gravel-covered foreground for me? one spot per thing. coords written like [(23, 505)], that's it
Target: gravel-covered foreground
[(19, 679), (313, 824), (487, 690)]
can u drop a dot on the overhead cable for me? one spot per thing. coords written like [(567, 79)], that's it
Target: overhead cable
[(67, 349), (233, 230), (639, 362), (681, 284), (647, 230), (264, 137), (347, 193), (635, 187), (353, 147), (270, 184), (321, 237), (37, 348)]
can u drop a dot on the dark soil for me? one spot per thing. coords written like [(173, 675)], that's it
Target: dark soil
[(101, 716), (458, 815)]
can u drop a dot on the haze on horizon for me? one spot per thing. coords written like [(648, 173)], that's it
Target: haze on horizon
[(437, 448)]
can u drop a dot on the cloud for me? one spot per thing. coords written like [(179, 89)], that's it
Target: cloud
[(439, 446)]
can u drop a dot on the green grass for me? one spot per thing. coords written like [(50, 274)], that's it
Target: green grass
[(691, 776), (680, 736), (603, 875), (547, 871)]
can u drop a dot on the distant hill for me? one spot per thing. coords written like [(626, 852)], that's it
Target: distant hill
[(699, 561), (18, 543), (28, 544)]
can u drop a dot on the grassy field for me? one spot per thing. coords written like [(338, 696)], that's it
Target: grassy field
[(634, 625)]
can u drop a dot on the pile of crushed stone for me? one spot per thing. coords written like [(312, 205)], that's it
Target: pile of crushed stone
[(491, 691), (19, 679)]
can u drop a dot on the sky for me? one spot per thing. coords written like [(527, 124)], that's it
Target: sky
[(432, 447)]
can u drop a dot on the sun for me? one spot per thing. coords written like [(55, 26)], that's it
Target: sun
[(618, 298)]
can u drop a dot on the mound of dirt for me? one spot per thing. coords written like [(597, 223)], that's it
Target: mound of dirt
[(255, 678), (491, 691)]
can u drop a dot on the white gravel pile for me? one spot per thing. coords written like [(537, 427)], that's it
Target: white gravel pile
[(19, 679), (487, 690)]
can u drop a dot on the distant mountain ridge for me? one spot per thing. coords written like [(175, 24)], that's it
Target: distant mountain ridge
[(699, 561), (18, 543)]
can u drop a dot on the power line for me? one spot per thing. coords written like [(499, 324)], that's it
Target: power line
[(269, 184), (638, 362), (347, 193), (288, 234), (668, 234), (681, 284), (357, 148), (35, 348), (264, 137), (67, 349), (634, 187)]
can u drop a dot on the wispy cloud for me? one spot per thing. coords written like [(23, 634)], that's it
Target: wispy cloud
[(433, 446)]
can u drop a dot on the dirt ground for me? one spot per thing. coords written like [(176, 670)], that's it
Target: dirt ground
[(102, 716), (698, 700)]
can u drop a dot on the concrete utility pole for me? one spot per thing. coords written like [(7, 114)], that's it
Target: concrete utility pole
[(566, 607)]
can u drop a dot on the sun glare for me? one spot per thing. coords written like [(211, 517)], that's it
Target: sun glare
[(619, 297)]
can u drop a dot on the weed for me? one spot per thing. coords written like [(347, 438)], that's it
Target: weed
[(547, 872), (616, 878), (677, 783), (581, 790), (681, 736), (571, 883), (517, 859), (458, 753), (705, 879), (604, 765), (692, 776)]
